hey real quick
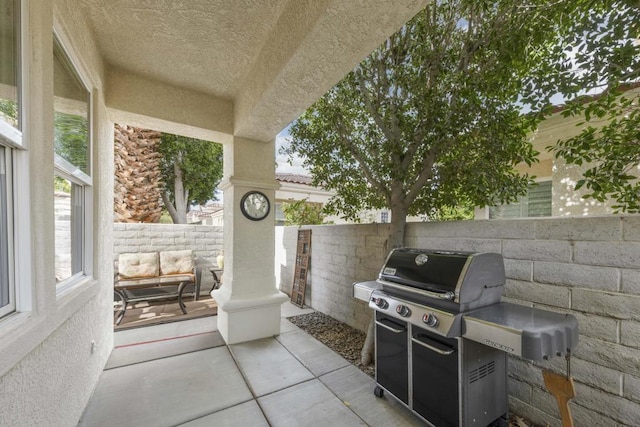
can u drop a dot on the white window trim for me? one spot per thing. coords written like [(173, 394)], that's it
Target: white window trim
[(11, 306), (68, 171), (19, 227)]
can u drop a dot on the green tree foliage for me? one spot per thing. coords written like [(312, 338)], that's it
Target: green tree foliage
[(9, 111), (191, 171), (596, 49), (302, 212), (429, 119), (71, 139)]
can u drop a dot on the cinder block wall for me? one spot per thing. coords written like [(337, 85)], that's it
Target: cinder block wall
[(589, 267), (204, 240)]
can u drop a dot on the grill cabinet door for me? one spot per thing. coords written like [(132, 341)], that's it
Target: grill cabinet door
[(392, 359), (435, 377)]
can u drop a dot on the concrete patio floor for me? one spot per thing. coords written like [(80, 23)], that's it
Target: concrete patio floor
[(183, 374)]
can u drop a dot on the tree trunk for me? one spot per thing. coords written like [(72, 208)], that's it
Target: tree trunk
[(178, 192), (398, 227), (395, 240), (137, 185)]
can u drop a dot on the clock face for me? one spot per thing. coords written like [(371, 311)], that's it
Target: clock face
[(255, 205)]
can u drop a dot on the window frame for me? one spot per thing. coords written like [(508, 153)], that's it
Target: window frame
[(6, 227), (11, 142), (523, 203), (82, 249)]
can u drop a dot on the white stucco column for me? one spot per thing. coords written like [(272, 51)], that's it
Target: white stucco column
[(248, 301)]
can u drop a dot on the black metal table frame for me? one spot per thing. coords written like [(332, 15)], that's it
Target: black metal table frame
[(121, 291)]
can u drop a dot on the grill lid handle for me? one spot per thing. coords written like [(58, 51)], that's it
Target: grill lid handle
[(449, 295)]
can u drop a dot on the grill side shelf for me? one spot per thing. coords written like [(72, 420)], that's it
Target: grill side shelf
[(528, 332)]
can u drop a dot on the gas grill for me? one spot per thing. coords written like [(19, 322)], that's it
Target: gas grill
[(442, 335)]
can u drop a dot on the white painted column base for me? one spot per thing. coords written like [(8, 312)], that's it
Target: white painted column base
[(248, 319)]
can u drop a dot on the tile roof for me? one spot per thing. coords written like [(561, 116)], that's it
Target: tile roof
[(293, 178)]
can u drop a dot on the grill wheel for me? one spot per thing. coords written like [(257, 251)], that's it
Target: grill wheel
[(378, 391)]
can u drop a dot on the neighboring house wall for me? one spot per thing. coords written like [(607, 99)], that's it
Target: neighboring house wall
[(584, 266), (205, 241), (565, 200)]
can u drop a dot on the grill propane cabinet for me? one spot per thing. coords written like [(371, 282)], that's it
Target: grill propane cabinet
[(442, 335)]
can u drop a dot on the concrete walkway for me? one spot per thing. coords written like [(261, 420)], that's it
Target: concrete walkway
[(183, 374)]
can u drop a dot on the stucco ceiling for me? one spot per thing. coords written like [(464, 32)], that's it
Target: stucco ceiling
[(268, 59), (205, 45)]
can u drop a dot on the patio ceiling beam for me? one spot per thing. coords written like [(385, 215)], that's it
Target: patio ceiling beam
[(313, 45), (140, 101)]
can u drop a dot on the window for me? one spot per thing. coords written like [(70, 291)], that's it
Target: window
[(7, 301), (72, 180), (10, 139), (536, 203), (384, 217), (9, 67)]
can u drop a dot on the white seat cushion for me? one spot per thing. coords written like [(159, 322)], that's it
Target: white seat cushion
[(138, 265), (176, 262)]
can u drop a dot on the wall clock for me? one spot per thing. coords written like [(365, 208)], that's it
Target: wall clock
[(255, 205)]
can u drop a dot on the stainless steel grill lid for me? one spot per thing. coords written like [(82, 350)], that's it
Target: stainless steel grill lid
[(467, 279)]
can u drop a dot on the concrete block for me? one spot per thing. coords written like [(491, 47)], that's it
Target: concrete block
[(612, 254), (195, 235), (518, 270), (138, 242), (436, 243), (593, 375), (618, 408), (631, 281), (171, 234), (556, 273), (125, 234), (597, 326), (616, 305), (478, 245), (631, 388), (605, 228), (131, 226), (544, 400), (586, 417), (614, 356), (524, 370), (519, 389), (631, 228), (163, 243), (554, 296), (125, 249), (630, 334), (537, 250)]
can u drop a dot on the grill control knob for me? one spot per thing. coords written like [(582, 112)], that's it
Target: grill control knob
[(430, 320), (403, 310), (381, 303)]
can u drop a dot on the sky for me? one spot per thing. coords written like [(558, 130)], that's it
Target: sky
[(282, 139)]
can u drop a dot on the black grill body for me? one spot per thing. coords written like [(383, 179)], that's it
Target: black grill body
[(421, 357), (442, 335)]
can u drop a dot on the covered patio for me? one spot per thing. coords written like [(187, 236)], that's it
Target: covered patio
[(237, 72), (232, 72)]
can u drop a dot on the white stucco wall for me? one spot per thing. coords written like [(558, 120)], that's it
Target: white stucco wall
[(47, 368), (588, 267)]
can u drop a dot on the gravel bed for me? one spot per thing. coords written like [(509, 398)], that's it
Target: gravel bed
[(341, 338)]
